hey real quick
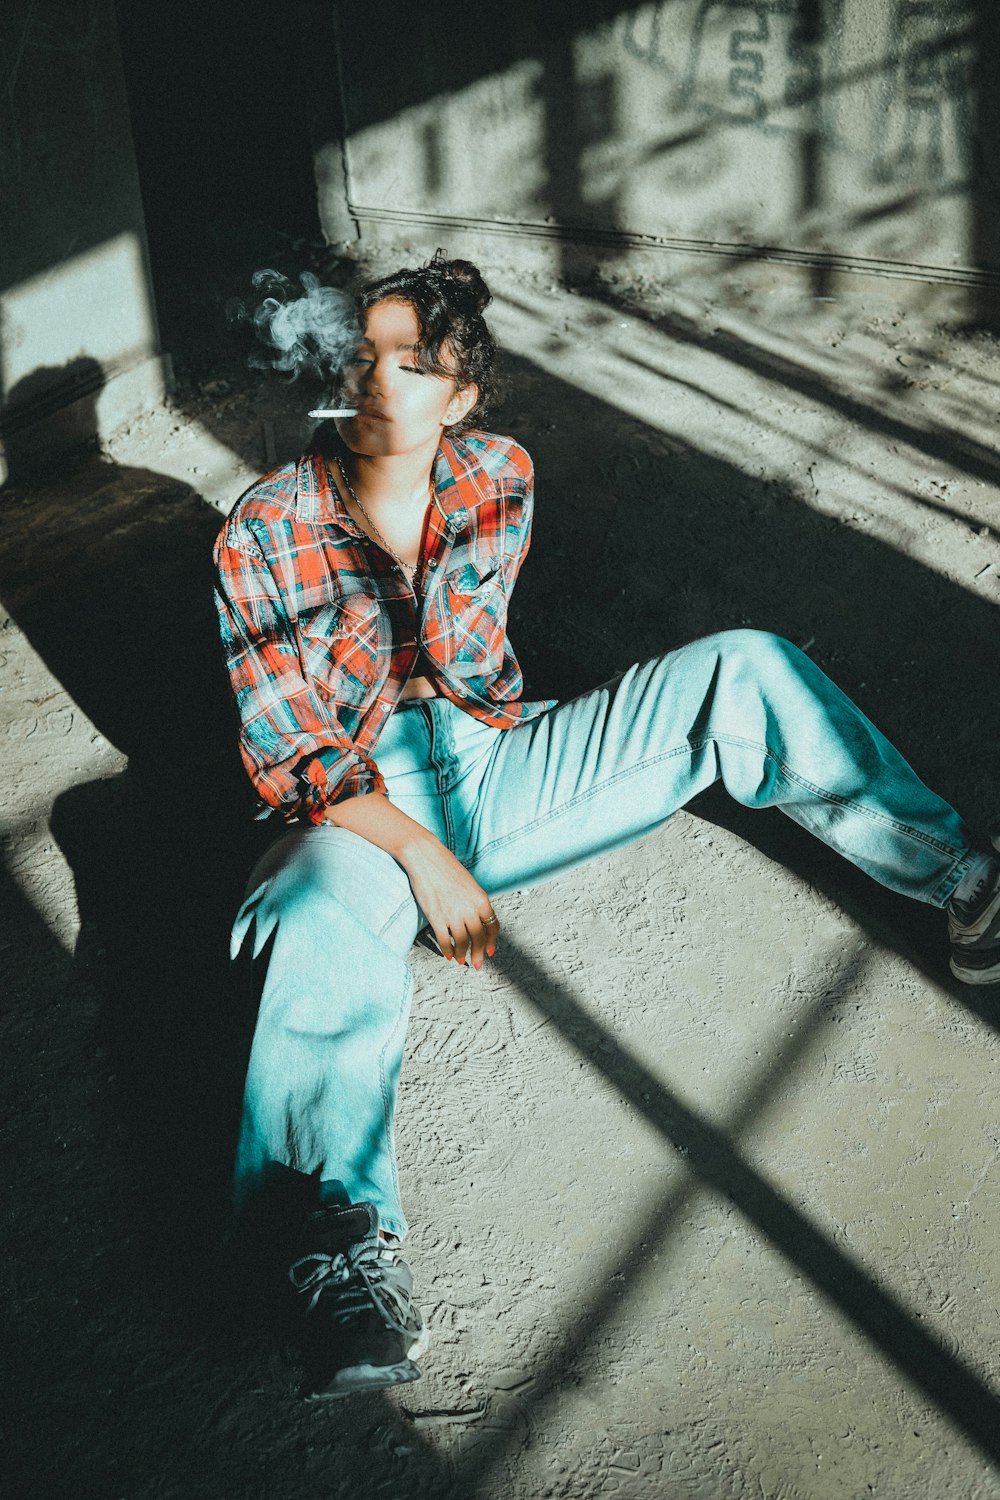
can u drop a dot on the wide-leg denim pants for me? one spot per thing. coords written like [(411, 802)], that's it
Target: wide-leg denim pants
[(331, 917)]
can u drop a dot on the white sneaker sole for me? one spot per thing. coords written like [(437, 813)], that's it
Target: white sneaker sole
[(990, 975), (363, 1377), (359, 1378)]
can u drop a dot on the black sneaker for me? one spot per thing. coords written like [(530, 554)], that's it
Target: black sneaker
[(361, 1328), (974, 930)]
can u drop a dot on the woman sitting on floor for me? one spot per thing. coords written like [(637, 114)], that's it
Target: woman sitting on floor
[(363, 595)]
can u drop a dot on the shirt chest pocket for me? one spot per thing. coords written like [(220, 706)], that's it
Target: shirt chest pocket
[(342, 646), (476, 607)]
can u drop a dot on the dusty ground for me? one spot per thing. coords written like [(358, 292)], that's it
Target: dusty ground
[(703, 1169)]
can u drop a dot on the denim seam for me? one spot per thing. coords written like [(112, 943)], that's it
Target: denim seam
[(700, 744), (445, 767), (389, 921), (949, 883), (397, 1226), (871, 813), (386, 1101)]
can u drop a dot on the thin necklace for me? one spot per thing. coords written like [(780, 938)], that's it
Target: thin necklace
[(410, 574)]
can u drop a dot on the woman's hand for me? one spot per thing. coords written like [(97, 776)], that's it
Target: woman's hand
[(458, 909)]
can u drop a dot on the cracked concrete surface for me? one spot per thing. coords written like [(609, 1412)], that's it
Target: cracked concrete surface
[(702, 1169)]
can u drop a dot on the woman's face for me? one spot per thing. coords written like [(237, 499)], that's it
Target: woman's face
[(401, 408)]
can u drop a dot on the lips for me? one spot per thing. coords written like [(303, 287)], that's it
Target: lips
[(372, 416)]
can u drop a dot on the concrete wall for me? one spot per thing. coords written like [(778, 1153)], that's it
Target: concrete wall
[(77, 325), (808, 135), (834, 134)]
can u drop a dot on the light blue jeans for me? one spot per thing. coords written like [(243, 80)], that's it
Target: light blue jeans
[(332, 917)]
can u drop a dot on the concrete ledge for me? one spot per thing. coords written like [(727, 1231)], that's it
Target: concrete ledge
[(375, 223)]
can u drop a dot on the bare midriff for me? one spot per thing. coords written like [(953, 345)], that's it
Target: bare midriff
[(418, 687)]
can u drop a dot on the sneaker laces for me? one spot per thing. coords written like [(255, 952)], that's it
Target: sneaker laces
[(320, 1272)]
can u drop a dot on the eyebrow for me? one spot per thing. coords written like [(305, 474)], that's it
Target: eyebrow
[(401, 348)]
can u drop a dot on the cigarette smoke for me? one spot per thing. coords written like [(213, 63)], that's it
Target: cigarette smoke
[(311, 334)]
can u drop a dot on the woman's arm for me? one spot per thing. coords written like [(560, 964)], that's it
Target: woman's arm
[(456, 907), (284, 723), (296, 752)]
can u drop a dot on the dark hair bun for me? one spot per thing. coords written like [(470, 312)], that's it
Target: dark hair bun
[(462, 279), (449, 297)]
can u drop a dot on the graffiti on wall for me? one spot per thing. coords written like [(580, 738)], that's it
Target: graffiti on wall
[(926, 121), (759, 64), (779, 66)]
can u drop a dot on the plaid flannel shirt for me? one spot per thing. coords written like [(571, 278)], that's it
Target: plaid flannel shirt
[(321, 630)]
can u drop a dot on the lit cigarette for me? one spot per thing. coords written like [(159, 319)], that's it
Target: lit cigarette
[(335, 411)]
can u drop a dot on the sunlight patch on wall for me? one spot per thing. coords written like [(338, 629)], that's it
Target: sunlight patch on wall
[(423, 156), (92, 305), (829, 130), (78, 353)]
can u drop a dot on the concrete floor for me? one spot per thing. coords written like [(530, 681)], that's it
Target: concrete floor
[(702, 1169)]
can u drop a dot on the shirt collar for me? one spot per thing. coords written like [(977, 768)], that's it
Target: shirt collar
[(460, 485), (317, 497)]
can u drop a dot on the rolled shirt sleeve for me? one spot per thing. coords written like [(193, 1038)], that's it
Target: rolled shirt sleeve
[(295, 750)]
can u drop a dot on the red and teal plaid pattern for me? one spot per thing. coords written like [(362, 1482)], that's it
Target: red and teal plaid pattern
[(321, 631)]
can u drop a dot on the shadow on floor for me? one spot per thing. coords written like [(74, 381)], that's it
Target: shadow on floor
[(131, 1052)]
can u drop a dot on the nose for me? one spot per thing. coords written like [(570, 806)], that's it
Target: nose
[(375, 378), (363, 379)]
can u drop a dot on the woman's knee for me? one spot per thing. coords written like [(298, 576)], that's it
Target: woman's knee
[(755, 646), (327, 948), (325, 879), (762, 655)]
